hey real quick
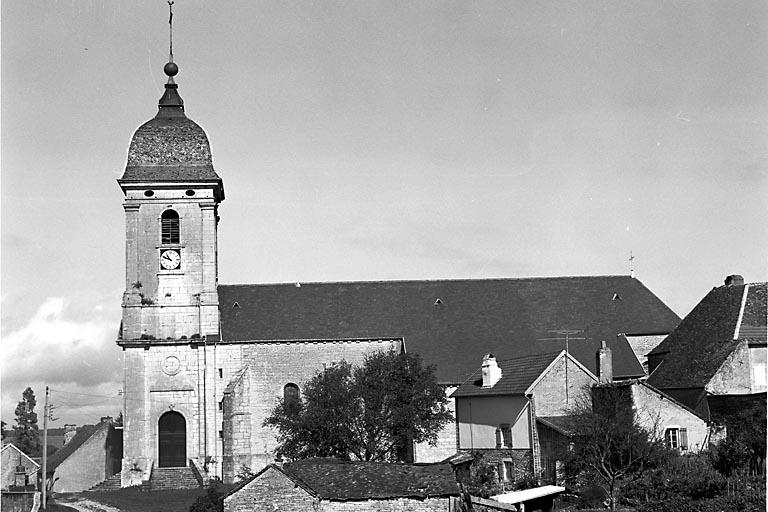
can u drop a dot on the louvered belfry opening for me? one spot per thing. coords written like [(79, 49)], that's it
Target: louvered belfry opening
[(169, 227)]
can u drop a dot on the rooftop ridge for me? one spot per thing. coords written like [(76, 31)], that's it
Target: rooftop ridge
[(439, 280)]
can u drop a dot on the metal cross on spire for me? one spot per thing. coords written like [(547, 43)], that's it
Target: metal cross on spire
[(631, 265), (170, 30)]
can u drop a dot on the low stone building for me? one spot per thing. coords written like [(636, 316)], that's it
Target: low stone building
[(93, 455), (314, 485), (18, 469)]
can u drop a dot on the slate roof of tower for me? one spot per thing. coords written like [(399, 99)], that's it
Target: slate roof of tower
[(336, 480), (170, 147), (516, 376), (453, 323), (702, 342)]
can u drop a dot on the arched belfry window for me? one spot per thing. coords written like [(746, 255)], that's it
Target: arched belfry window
[(169, 227)]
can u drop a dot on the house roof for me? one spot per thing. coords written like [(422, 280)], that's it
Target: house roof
[(11, 446), (695, 350), (517, 375), (452, 323), (83, 434), (567, 425), (336, 480)]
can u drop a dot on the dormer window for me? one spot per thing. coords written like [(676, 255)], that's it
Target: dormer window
[(169, 227)]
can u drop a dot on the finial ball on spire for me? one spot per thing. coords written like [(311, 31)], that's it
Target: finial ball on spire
[(171, 69)]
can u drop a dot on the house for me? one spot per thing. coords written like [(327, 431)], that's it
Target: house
[(501, 408), (659, 414), (717, 351), (91, 456), (332, 485), (18, 469), (522, 413)]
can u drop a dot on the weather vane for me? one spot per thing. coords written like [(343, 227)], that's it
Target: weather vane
[(170, 30)]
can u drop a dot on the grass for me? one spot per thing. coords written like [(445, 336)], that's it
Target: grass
[(135, 500)]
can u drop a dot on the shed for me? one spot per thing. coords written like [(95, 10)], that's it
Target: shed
[(332, 485)]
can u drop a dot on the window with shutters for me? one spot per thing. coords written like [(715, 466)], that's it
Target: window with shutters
[(169, 227), (676, 438), (506, 435)]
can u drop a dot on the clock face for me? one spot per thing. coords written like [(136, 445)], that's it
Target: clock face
[(170, 259)]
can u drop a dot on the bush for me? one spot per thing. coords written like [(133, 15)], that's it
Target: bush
[(213, 500), (688, 477)]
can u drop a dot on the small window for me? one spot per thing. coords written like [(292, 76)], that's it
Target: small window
[(509, 470), (221, 434), (169, 227), (676, 438), (291, 398), (221, 405), (506, 435), (221, 373), (291, 392)]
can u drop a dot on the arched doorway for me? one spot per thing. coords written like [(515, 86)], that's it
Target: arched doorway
[(172, 447)]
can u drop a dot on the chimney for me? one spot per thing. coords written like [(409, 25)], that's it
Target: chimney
[(69, 432), (491, 371), (106, 419), (604, 364), (734, 280)]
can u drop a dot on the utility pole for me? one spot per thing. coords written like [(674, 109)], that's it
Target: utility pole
[(45, 448)]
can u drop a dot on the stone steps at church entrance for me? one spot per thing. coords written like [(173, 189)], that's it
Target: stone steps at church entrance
[(173, 478), (110, 484)]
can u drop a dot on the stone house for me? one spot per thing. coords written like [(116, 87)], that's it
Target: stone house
[(91, 456), (18, 469), (718, 350), (661, 415), (204, 361), (501, 408), (521, 413), (332, 485)]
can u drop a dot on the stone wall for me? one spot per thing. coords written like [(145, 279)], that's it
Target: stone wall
[(557, 395), (271, 490), (268, 368), (12, 457), (521, 459), (447, 438), (90, 464)]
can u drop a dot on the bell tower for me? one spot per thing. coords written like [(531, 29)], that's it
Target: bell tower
[(171, 201)]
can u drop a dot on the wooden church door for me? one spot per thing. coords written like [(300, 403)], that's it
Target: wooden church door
[(173, 440)]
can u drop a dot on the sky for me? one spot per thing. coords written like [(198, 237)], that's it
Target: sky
[(370, 140)]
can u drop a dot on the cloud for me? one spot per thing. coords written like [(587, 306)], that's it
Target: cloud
[(59, 349)]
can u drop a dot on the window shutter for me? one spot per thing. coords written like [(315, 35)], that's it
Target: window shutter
[(683, 439), (498, 438)]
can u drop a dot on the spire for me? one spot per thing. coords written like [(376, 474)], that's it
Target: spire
[(171, 104)]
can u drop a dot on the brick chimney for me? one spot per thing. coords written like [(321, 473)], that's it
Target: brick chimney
[(604, 364), (734, 280), (69, 432), (491, 371)]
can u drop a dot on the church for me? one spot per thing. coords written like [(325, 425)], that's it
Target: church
[(205, 362)]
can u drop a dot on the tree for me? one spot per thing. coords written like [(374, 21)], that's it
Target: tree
[(26, 432), (3, 432), (611, 447), (372, 412)]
